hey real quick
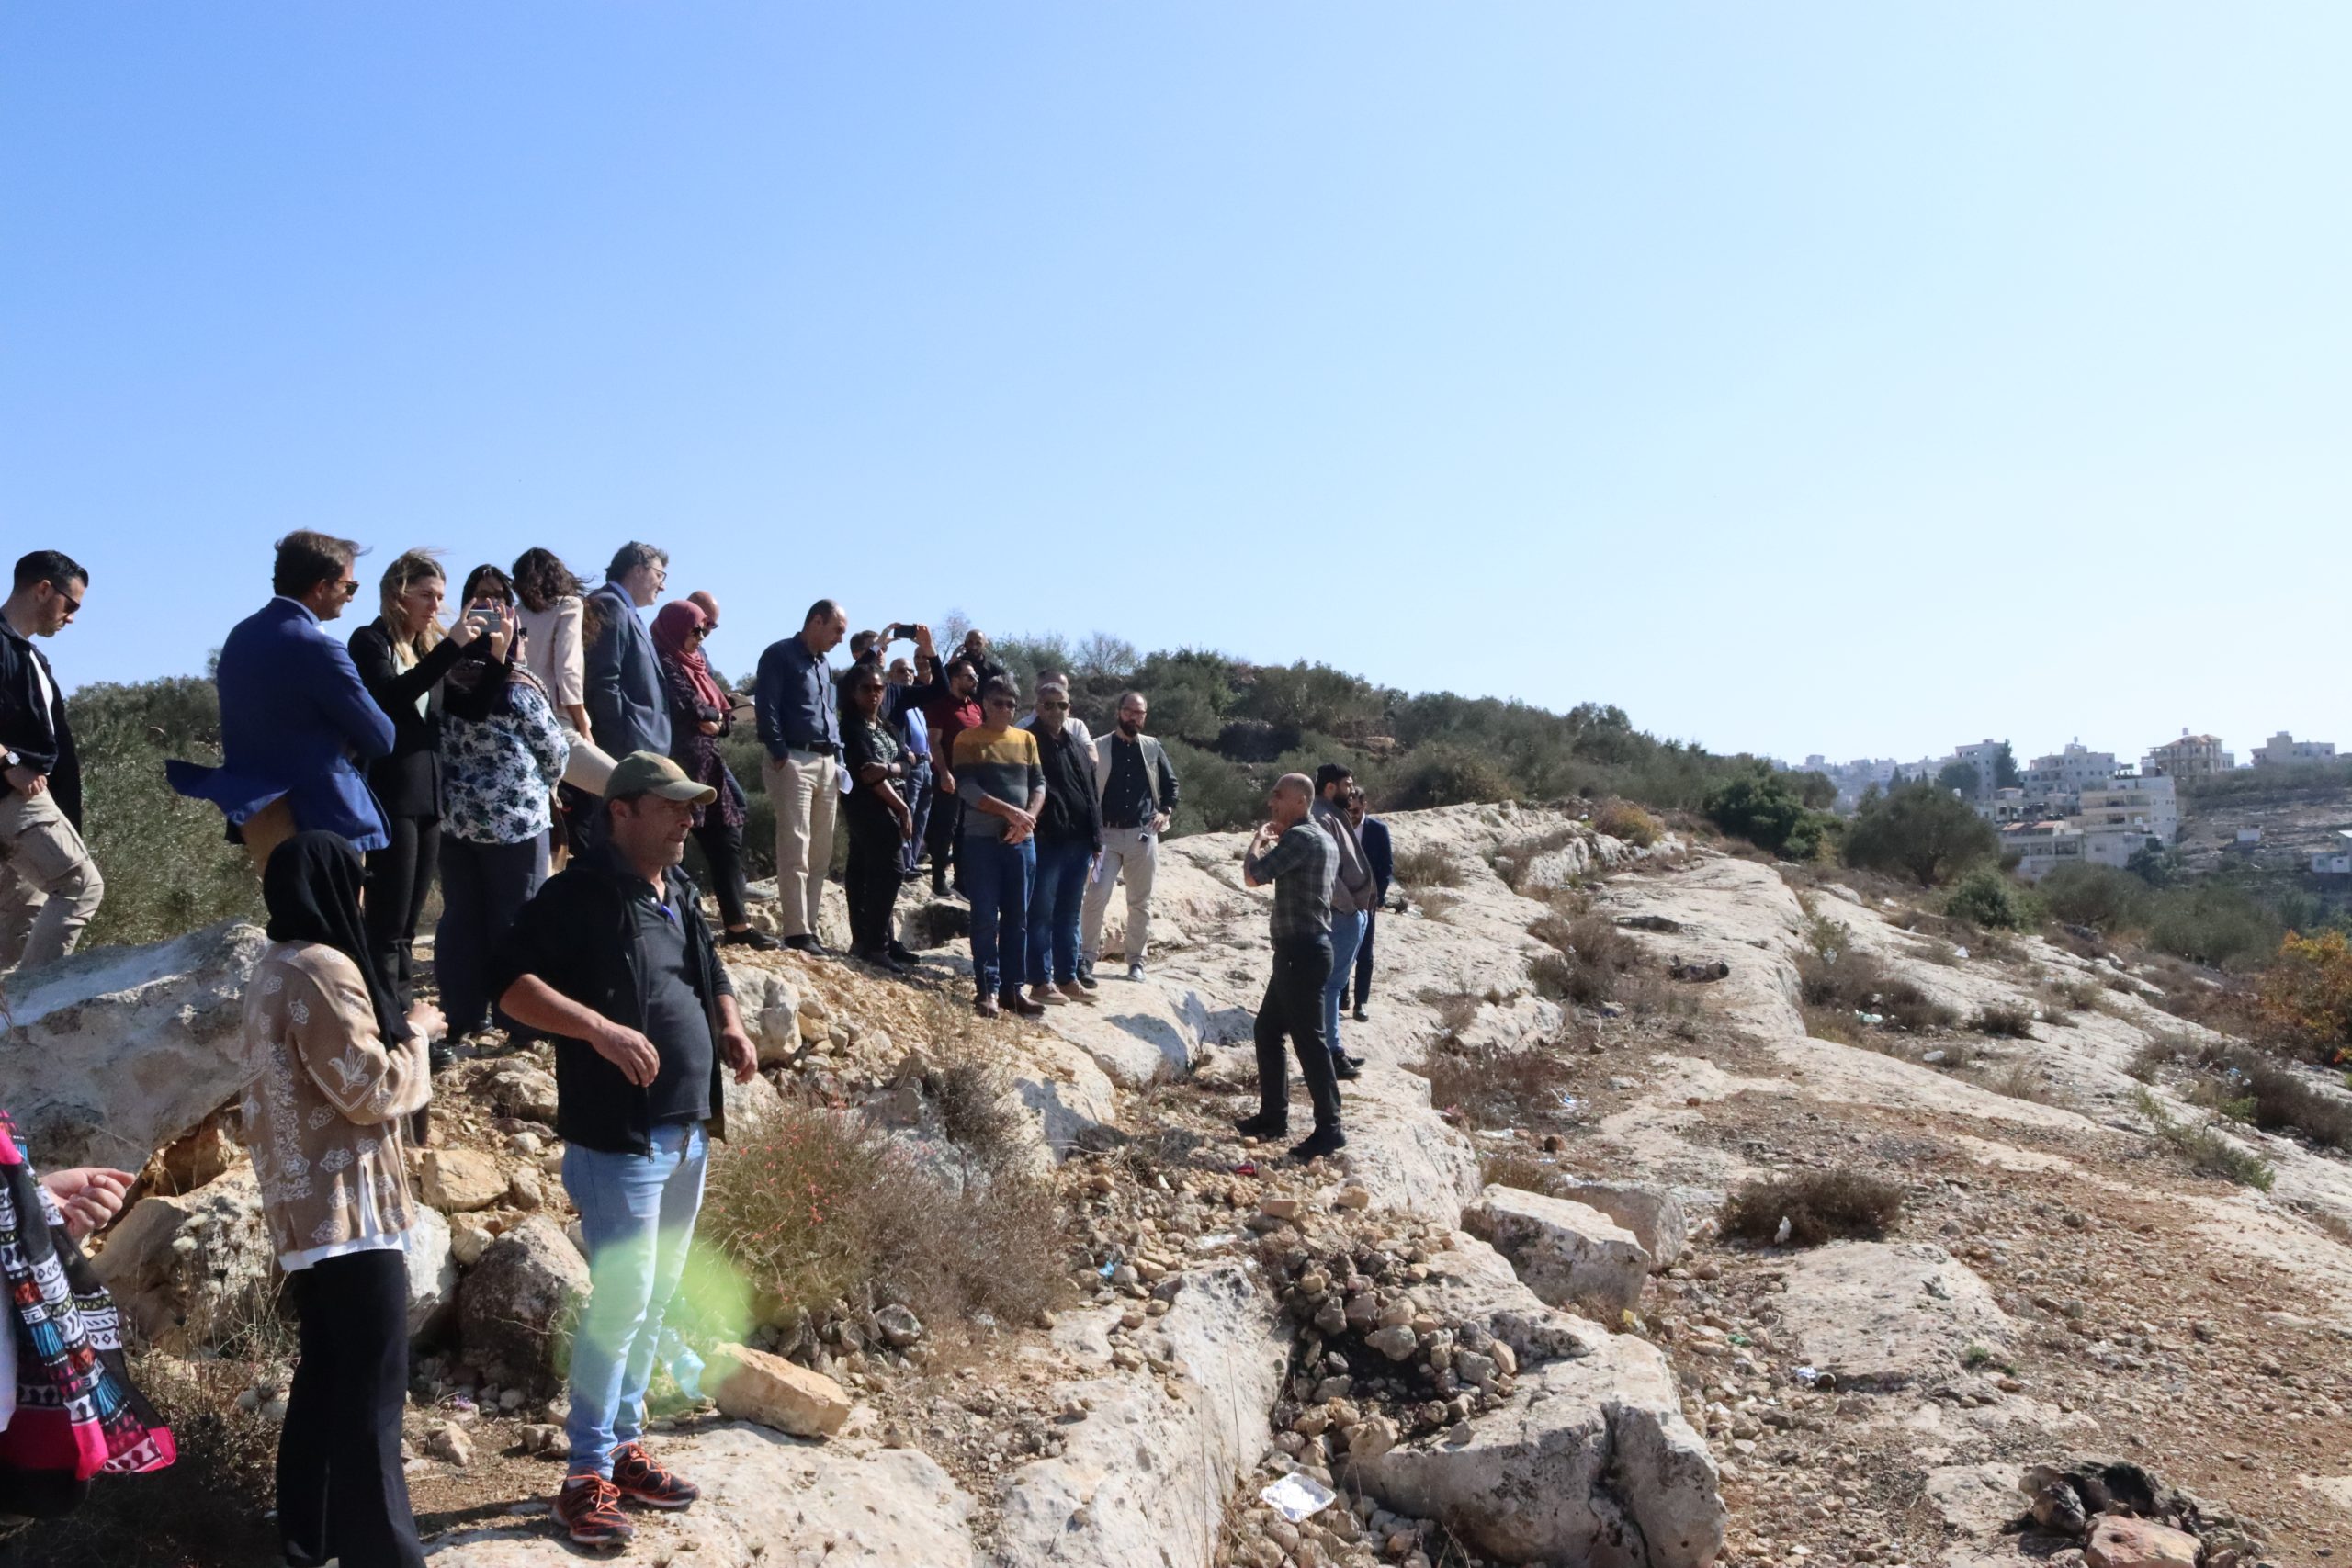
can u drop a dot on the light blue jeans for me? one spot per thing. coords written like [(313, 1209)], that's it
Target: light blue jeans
[(1347, 932), (637, 1212)]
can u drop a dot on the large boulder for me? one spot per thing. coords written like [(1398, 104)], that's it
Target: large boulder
[(1588, 1461), (1885, 1315), (457, 1181), (770, 1004), (189, 1270), (1569, 1254), (120, 1050), (517, 1303), (754, 1385), (1652, 1212)]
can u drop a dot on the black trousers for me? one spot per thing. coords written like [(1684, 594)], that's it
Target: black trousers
[(341, 1490), (876, 866), (1363, 958), (1294, 1006), (483, 887), (723, 846), (917, 793), (945, 831), (398, 877)]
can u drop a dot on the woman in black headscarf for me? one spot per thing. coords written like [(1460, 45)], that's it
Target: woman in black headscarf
[(337, 1071)]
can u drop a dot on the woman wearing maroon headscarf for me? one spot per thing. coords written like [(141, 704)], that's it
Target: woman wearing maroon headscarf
[(699, 714)]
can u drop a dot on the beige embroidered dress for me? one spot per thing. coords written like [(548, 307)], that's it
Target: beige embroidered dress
[(325, 1105)]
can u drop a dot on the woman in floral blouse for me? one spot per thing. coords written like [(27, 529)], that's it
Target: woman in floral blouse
[(502, 752), (336, 1072), (699, 714)]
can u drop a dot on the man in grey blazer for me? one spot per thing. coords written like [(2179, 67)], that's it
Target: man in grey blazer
[(626, 708)]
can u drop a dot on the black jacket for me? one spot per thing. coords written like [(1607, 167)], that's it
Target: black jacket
[(1071, 813), (408, 782), (34, 730), (577, 934)]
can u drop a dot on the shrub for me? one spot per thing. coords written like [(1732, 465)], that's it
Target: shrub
[(1588, 953), (2213, 922), (2002, 1022), (2307, 994), (1449, 776), (1624, 819), (1427, 868), (1920, 831), (169, 867), (1819, 1206), (2278, 1099), (2204, 1149), (1985, 897), (1216, 797), (1313, 696), (1760, 807), (814, 1205), (2099, 896), (1493, 1086)]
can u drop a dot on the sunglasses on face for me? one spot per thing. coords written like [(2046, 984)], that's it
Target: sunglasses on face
[(1053, 704), (350, 586), (699, 631), (73, 605)]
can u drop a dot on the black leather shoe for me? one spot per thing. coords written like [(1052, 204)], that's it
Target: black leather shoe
[(807, 944), (757, 940), (1322, 1141), (902, 954), (1345, 1070), (1261, 1126)]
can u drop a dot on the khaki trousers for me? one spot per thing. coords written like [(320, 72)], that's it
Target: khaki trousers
[(805, 788), (48, 885), (1132, 853)]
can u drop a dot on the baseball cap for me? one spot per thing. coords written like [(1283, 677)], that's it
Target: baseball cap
[(649, 773)]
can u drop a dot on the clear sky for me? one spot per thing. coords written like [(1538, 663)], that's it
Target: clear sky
[(1843, 377)]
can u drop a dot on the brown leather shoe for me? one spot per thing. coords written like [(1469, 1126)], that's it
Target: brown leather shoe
[(1074, 992), (984, 1006), (1022, 1007)]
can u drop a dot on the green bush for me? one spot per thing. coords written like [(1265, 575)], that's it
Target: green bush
[(1446, 774), (2098, 896), (1987, 898), (1765, 807), (167, 862), (1313, 696), (1920, 831), (1212, 794), (2216, 923)]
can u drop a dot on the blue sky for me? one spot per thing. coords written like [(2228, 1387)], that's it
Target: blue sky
[(1835, 377)]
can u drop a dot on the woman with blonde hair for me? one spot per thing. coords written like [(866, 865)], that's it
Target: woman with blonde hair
[(403, 656)]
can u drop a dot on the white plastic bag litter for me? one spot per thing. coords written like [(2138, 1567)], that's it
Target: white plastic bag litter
[(1298, 1497)]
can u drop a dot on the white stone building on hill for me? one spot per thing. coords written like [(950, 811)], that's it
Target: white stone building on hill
[(2283, 750)]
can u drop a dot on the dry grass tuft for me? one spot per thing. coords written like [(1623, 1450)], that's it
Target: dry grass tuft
[(1492, 1087), (1427, 868), (1624, 819), (1590, 954), (1819, 1206), (2003, 1022)]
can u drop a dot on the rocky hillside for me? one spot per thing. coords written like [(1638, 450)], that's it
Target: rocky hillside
[(1520, 1320)]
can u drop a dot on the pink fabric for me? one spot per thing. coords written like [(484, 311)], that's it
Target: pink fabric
[(671, 627)]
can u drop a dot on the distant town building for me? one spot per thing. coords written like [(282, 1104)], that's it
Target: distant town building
[(2005, 807), (1984, 756), (2283, 750), (2191, 757), (2056, 782), (2040, 847), (2145, 804), (2336, 862)]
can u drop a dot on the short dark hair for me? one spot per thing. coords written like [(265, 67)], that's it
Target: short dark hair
[(1331, 773), (1001, 687), (859, 673), (631, 556), (822, 610), (961, 662), (52, 566), (307, 557)]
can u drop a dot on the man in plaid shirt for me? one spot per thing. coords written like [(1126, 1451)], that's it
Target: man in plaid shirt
[(1300, 860)]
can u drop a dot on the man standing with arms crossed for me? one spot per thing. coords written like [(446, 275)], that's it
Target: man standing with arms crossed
[(48, 885), (1138, 790), (801, 725), (1299, 859), (614, 960)]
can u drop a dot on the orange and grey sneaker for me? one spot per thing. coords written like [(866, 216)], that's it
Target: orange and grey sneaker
[(588, 1509), (638, 1478)]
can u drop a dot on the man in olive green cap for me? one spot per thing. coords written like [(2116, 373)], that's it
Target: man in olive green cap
[(614, 960)]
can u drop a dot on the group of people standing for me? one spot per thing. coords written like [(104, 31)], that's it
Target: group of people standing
[(525, 724)]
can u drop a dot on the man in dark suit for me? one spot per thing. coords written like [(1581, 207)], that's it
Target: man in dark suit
[(1377, 851), (628, 709), (297, 725)]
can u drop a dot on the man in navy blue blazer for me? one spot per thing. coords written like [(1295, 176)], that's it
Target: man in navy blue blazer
[(298, 728), (628, 707)]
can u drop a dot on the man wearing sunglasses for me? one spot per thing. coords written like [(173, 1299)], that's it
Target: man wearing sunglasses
[(297, 728), (49, 887)]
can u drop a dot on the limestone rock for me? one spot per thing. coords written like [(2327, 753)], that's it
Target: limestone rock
[(448, 1443), (768, 1502), (119, 1048), (1567, 1252), (458, 1181), (1652, 1212), (1885, 1315), (516, 1303), (753, 1385), (469, 1239), (432, 1270), (522, 1089), (2118, 1543), (186, 1269), (202, 1156)]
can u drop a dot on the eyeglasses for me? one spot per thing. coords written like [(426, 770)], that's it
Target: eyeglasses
[(73, 605), (350, 586), (699, 631), (1053, 704)]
